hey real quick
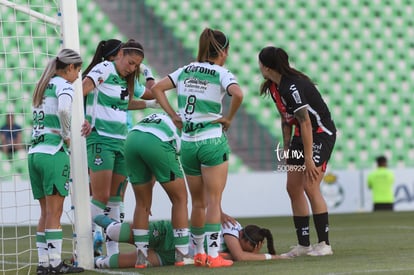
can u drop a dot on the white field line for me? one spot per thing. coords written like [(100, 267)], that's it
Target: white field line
[(353, 228), (100, 271), (370, 271)]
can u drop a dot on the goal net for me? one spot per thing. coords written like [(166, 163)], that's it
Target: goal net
[(32, 32)]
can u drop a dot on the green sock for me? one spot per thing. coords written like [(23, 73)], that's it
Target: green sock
[(113, 261)]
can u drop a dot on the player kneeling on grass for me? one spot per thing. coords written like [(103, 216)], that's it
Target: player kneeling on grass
[(238, 244), (161, 244)]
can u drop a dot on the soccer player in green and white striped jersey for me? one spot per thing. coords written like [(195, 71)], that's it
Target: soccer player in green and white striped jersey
[(108, 50), (48, 161), (151, 150), (109, 87), (201, 86)]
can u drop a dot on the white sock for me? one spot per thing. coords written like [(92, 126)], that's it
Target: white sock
[(198, 242), (121, 211), (141, 240), (181, 239), (96, 209), (42, 251), (114, 210), (112, 247), (120, 232), (54, 246), (213, 243)]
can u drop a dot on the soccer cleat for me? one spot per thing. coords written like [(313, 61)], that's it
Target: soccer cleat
[(225, 255), (64, 268), (142, 261), (103, 220), (97, 243), (218, 262), (321, 249), (100, 262), (181, 260), (298, 250), (200, 259), (42, 270)]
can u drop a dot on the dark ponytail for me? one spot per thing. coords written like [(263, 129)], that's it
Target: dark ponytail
[(269, 240), (105, 50), (255, 235)]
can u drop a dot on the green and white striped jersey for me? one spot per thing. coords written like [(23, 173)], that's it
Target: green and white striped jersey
[(107, 104), (161, 126), (201, 87), (46, 124)]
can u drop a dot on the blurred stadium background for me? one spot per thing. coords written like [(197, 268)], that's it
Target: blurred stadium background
[(360, 53)]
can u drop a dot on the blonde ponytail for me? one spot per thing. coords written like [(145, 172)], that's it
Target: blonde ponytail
[(64, 58), (47, 74)]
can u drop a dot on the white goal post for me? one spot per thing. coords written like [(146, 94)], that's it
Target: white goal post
[(67, 22), (80, 195)]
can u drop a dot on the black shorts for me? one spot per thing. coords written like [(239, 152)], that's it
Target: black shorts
[(323, 145), (383, 206)]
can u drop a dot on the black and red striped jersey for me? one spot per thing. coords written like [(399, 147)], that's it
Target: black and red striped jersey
[(295, 93)]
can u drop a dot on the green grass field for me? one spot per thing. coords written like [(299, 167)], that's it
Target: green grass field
[(365, 243)]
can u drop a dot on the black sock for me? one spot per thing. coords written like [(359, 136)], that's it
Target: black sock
[(322, 227), (302, 229)]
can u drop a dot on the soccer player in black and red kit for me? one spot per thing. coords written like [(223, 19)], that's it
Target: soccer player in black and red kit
[(309, 135)]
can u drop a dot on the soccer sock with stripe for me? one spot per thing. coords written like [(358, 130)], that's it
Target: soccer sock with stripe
[(119, 232), (97, 208), (54, 245), (113, 211), (141, 240), (42, 251), (113, 208), (181, 240), (197, 237)]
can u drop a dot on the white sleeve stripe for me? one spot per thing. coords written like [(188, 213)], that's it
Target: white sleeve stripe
[(301, 107)]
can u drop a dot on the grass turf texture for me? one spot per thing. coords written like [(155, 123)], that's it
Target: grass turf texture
[(363, 243)]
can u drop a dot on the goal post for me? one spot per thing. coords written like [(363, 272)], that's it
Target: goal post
[(80, 182), (25, 47)]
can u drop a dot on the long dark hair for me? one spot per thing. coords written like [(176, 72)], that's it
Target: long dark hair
[(129, 48), (255, 234), (106, 50), (211, 43), (277, 59)]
